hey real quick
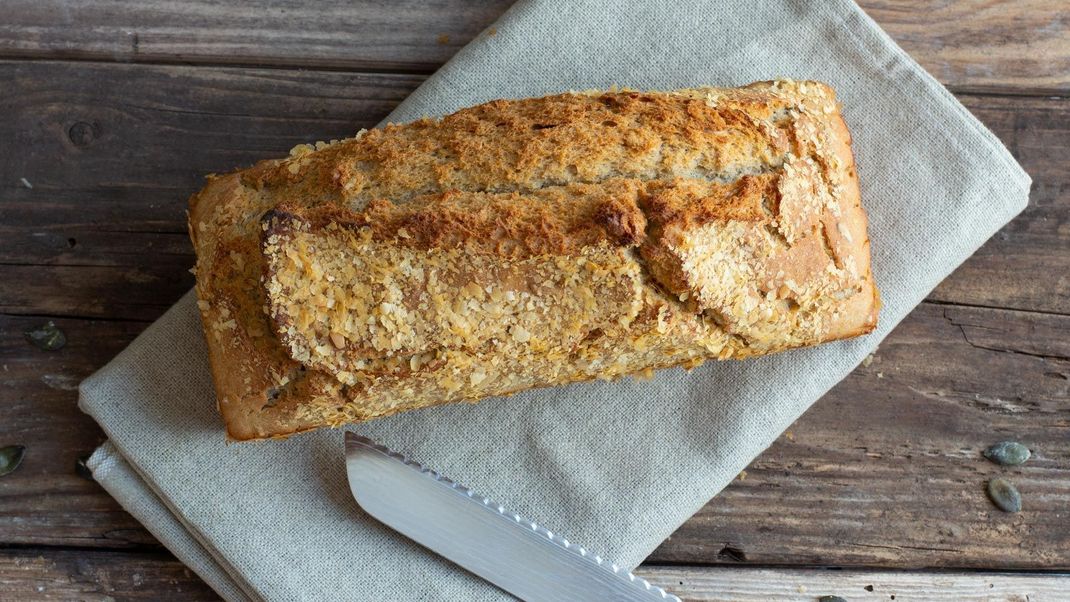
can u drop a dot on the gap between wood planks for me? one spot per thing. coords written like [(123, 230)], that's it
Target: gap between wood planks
[(1054, 93), (48, 574), (374, 69), (989, 46)]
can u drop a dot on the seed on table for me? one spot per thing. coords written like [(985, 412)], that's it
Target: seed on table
[(1007, 453), (831, 599), (1004, 495), (10, 458), (48, 337)]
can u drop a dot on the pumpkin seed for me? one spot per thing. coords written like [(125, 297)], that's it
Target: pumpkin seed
[(10, 458), (831, 599), (82, 470), (1007, 453), (1004, 495), (47, 337)]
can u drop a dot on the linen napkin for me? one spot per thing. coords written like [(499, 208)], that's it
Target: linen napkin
[(616, 466)]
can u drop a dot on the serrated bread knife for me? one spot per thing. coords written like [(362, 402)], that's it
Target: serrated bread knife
[(517, 555)]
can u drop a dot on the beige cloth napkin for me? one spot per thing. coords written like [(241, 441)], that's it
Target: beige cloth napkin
[(615, 466)]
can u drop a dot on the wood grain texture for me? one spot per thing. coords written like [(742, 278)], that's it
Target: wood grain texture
[(409, 35), (45, 502), (53, 575), (1026, 265), (720, 584), (133, 292), (114, 151), (48, 575), (130, 143), (1018, 46), (888, 464), (991, 45), (110, 177), (885, 470)]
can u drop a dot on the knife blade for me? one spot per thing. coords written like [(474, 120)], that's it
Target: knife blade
[(515, 554)]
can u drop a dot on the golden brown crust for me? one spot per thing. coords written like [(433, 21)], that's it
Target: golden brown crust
[(578, 236), (559, 220), (343, 298)]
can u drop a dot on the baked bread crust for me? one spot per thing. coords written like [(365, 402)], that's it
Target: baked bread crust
[(529, 243)]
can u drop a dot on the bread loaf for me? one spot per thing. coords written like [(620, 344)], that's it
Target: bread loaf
[(529, 243)]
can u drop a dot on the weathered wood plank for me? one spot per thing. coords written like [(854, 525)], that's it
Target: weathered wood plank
[(1027, 264), (104, 576), (44, 501), (119, 148), (46, 574), (1021, 45), (359, 34), (884, 471), (134, 292), (983, 45), (723, 584), (112, 154), (116, 199), (130, 138)]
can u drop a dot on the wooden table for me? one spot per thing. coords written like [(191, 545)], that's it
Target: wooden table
[(111, 113)]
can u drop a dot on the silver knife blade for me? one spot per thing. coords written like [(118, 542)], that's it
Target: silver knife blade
[(515, 554)]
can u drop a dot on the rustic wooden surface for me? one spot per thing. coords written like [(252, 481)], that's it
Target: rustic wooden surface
[(983, 45), (107, 576), (112, 112)]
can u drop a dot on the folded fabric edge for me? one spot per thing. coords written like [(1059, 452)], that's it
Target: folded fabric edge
[(867, 25), (172, 515), (119, 478), (104, 371)]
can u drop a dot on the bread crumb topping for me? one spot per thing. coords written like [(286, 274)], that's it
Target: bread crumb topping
[(530, 243)]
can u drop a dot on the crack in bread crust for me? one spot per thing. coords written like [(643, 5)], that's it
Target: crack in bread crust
[(577, 236)]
